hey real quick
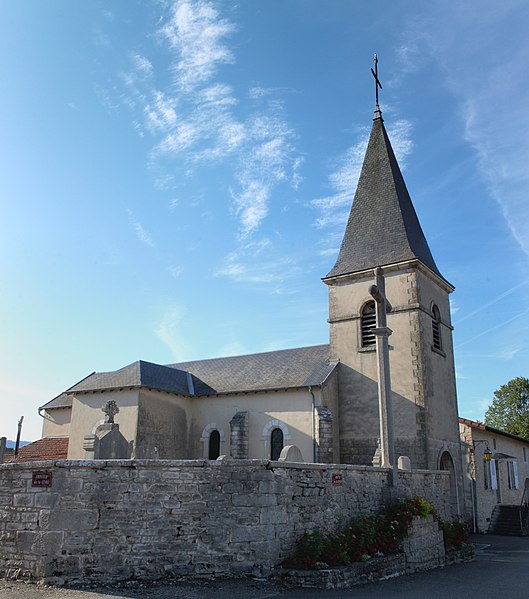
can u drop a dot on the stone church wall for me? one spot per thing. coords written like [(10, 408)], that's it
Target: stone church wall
[(105, 521)]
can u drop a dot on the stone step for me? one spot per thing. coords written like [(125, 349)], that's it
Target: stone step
[(505, 520)]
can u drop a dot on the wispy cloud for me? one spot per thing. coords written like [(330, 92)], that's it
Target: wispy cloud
[(334, 208), (490, 97), (198, 120), (170, 331), (500, 325), (493, 301), (197, 32), (506, 354), (141, 233), (257, 263), (175, 271)]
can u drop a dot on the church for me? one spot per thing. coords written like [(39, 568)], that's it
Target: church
[(322, 399)]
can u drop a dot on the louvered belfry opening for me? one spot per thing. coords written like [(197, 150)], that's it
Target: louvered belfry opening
[(436, 328), (369, 322)]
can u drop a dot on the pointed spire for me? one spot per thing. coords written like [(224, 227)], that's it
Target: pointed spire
[(383, 227)]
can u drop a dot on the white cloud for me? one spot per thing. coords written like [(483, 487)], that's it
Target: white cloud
[(196, 122), (161, 113), (233, 348), (175, 271), (197, 32), (334, 208), (483, 66), (141, 233), (500, 325), (142, 64), (491, 302), (256, 263), (170, 331)]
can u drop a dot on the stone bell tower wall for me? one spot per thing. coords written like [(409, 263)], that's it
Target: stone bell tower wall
[(423, 385)]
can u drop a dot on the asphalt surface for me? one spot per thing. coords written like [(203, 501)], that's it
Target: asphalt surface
[(500, 571)]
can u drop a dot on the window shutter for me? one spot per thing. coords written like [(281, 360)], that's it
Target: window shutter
[(368, 323), (493, 477)]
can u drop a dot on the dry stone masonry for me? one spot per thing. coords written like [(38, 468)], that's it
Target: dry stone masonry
[(106, 521)]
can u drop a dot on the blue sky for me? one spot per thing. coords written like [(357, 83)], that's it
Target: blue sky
[(176, 177)]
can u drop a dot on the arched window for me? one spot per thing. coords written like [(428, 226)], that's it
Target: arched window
[(214, 445), (436, 328), (276, 443), (369, 322)]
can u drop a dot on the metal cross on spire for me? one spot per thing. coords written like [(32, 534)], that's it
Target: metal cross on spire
[(377, 81)]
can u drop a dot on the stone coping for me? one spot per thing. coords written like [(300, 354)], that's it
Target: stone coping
[(202, 463)]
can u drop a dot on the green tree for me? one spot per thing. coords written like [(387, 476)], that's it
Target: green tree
[(510, 408)]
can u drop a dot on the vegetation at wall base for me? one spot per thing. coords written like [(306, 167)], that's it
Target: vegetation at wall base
[(369, 536), (455, 534)]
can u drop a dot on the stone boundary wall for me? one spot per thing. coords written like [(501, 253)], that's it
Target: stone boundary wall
[(422, 550), (107, 521)]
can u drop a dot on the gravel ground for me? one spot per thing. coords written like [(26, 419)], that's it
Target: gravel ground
[(233, 589)]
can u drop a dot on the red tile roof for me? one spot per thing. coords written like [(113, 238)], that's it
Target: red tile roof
[(473, 423), (49, 448), (491, 429)]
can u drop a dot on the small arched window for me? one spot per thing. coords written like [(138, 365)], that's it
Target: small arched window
[(276, 443), (369, 322), (214, 445), (436, 328)]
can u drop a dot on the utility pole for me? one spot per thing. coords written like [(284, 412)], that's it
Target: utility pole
[(17, 444)]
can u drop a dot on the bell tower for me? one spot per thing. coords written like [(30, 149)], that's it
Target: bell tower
[(383, 231)]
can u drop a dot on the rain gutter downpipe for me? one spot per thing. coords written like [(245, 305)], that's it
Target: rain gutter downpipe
[(313, 425)]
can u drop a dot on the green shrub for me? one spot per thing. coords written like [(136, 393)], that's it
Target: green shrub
[(455, 534)]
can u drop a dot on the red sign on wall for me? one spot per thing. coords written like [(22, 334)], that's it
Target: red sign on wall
[(337, 480), (41, 479)]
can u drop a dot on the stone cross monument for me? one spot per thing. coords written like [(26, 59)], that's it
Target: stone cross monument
[(110, 409), (382, 333)]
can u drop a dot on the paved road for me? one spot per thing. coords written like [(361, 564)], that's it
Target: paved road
[(500, 571)]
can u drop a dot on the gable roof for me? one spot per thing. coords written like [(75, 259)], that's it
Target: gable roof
[(383, 227), (283, 369), (485, 427), (49, 448), (137, 374)]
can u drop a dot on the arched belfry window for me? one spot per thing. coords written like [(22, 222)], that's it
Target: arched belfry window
[(276, 443), (436, 328), (369, 322), (214, 445)]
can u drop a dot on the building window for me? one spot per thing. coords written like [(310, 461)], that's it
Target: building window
[(212, 439), (369, 322), (524, 454), (512, 472), (494, 443), (490, 478), (436, 328), (214, 445), (276, 443)]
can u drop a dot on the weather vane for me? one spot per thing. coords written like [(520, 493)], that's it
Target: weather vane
[(375, 75)]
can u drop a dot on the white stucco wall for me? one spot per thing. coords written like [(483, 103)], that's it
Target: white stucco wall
[(87, 416), (485, 499), (56, 422)]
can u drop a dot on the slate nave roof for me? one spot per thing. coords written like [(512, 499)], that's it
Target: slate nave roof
[(267, 371)]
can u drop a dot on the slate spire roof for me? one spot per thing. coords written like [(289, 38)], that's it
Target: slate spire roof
[(383, 227)]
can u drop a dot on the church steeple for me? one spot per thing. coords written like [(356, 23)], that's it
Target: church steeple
[(383, 227)]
